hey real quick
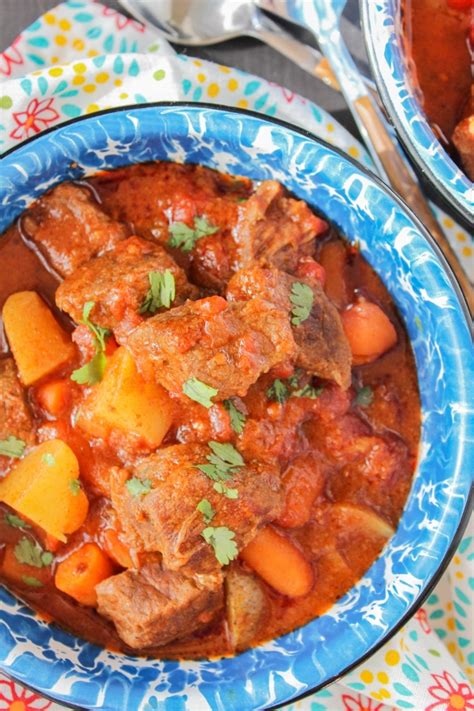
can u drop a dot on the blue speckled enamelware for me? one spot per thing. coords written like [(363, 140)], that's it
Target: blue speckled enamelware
[(381, 21), (59, 664)]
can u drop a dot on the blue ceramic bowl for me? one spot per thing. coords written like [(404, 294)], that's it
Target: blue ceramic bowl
[(382, 25), (75, 672)]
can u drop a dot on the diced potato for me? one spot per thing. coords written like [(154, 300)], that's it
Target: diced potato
[(38, 343), (247, 607), (44, 488), (356, 518), (124, 402)]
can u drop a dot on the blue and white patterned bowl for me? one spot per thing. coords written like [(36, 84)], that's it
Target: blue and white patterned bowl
[(382, 25), (71, 670)]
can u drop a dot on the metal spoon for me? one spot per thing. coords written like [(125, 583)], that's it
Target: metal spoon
[(205, 22)]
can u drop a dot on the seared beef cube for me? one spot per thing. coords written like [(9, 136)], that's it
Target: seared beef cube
[(322, 346), (118, 283), (15, 417), (275, 230), (463, 139), (226, 346), (166, 519), (151, 606), (70, 227)]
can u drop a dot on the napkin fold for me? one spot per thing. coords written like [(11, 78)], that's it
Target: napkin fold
[(82, 57)]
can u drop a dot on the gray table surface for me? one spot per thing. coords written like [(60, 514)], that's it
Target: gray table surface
[(245, 53)]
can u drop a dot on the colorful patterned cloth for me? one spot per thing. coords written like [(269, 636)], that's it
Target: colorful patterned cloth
[(82, 57)]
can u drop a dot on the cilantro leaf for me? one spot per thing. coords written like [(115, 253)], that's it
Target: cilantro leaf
[(221, 488), (237, 418), (15, 521), (32, 581), (12, 447), (223, 462), (49, 459), (138, 487), (92, 372), (205, 507), (99, 332), (199, 391), (75, 486), (278, 391), (364, 396), (301, 297), (227, 453), (222, 541), (184, 237), (162, 291), (308, 391), (30, 553)]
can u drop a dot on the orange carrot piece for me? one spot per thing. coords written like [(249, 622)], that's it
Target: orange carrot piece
[(114, 547), (369, 331), (279, 562), (20, 573), (79, 573), (54, 396)]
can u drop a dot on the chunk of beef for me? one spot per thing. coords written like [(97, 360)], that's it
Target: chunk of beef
[(118, 283), (166, 519), (15, 417), (152, 196), (151, 606), (70, 227), (322, 347), (274, 229), (463, 139), (226, 346)]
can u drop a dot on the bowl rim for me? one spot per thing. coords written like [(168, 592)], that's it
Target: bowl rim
[(402, 118), (465, 515)]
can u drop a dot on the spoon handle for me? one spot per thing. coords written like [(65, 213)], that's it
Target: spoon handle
[(307, 58)]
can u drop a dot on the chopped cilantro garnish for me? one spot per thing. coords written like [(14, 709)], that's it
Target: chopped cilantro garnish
[(237, 418), (222, 540), (31, 553), (138, 487), (12, 447), (15, 521), (301, 297), (222, 465), (75, 486), (184, 237), (49, 459), (162, 291), (308, 391), (199, 391), (32, 581), (278, 391), (93, 371), (364, 396), (205, 507)]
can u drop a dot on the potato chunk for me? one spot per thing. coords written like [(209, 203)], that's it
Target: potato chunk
[(39, 344), (44, 488), (246, 605), (124, 402)]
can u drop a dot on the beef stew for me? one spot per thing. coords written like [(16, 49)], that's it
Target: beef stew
[(440, 41), (210, 416)]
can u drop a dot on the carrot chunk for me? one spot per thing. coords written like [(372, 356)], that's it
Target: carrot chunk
[(369, 331), (54, 396), (39, 344), (114, 547), (279, 562), (78, 574)]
